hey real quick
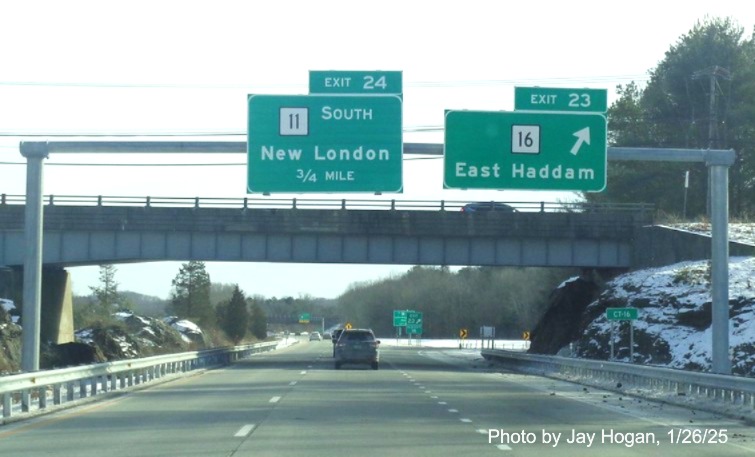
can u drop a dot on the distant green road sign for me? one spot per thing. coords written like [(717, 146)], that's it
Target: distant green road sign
[(414, 322), (324, 143), (304, 318), (622, 314), (355, 82), (399, 318), (525, 150), (560, 99)]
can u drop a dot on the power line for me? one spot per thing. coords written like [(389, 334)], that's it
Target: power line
[(246, 86)]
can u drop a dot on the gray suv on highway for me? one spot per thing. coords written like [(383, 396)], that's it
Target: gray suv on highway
[(357, 346)]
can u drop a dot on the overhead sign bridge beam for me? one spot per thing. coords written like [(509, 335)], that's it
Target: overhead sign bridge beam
[(708, 156)]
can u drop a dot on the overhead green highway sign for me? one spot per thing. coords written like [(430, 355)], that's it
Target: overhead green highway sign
[(355, 82), (560, 99), (525, 150), (324, 143)]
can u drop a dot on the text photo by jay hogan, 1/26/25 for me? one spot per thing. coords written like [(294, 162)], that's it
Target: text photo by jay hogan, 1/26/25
[(609, 436)]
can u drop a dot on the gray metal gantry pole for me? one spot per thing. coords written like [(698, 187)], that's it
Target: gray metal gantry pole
[(718, 163), (35, 154), (719, 266)]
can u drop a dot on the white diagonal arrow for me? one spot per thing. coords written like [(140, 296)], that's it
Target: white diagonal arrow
[(583, 136)]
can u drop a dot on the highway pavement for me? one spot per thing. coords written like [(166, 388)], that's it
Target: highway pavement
[(422, 402)]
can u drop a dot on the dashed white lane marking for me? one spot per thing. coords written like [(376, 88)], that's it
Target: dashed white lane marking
[(292, 383), (453, 410), (503, 447), (442, 403), (275, 399), (465, 420), (303, 372), (482, 431), (244, 431), (434, 397)]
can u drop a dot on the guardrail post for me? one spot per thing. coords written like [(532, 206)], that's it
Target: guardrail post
[(52, 200), (294, 204), (82, 389), (42, 397), (2, 199), (246, 203), (442, 205), (393, 204), (57, 394), (70, 391), (25, 400), (99, 200), (196, 202), (7, 405), (149, 202), (343, 203), (542, 207)]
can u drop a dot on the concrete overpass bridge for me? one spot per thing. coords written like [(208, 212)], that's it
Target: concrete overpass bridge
[(97, 230)]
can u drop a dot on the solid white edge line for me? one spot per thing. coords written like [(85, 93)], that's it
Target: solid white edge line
[(244, 431), (275, 399)]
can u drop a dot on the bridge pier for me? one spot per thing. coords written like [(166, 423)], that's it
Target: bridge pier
[(57, 306), (57, 301)]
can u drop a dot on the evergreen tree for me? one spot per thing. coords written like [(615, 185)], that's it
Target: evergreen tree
[(106, 293), (258, 320), (234, 320), (190, 297)]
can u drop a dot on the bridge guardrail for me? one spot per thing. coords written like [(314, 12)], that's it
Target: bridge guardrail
[(26, 393), (730, 394), (313, 203)]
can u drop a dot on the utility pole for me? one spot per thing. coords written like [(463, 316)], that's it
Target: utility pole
[(713, 74)]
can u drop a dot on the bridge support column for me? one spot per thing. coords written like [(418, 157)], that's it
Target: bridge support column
[(57, 306), (10, 284)]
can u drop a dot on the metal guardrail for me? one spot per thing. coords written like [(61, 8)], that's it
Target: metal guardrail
[(646, 381), (34, 392), (312, 203)]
